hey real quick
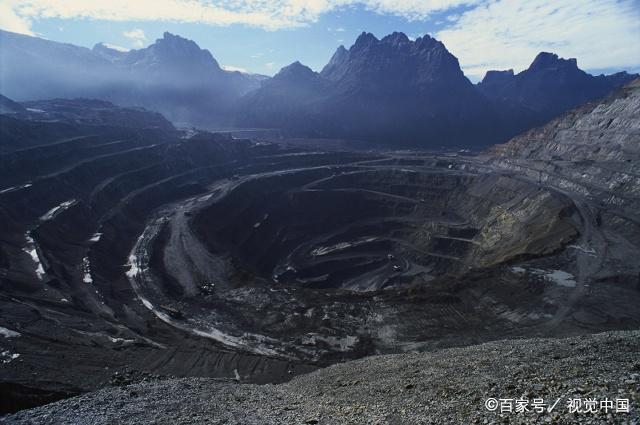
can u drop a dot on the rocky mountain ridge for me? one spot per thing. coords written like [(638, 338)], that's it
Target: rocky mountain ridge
[(413, 92), (392, 91), (550, 86), (172, 76)]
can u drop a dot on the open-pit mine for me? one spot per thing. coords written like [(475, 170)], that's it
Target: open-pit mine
[(142, 248)]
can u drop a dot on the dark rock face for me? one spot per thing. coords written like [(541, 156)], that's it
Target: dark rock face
[(395, 62), (549, 87), (292, 99), (172, 55), (8, 106), (392, 90), (173, 76), (608, 130), (494, 80), (401, 92), (593, 150)]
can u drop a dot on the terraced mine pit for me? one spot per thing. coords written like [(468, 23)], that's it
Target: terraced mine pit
[(275, 262), (366, 227), (202, 255)]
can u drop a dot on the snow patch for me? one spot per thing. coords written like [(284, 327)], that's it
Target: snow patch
[(343, 344), (258, 224), (7, 357), (586, 250), (39, 111), (14, 188), (32, 250), (86, 270), (133, 266), (324, 250), (8, 333), (121, 340), (559, 277), (96, 237), (189, 133), (562, 278), (56, 210)]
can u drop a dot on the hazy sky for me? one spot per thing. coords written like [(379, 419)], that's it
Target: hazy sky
[(264, 35)]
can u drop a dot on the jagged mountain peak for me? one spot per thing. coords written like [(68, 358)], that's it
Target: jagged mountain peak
[(550, 86), (494, 76), (394, 57), (547, 61), (175, 54), (176, 41), (295, 70), (364, 39), (182, 48), (396, 38)]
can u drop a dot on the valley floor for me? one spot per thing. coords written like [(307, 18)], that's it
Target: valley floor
[(449, 386)]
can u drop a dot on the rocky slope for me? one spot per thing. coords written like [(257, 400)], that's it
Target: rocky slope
[(441, 387), (593, 150), (40, 122), (8, 106), (91, 112), (604, 130)]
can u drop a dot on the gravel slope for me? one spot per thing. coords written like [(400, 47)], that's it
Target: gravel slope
[(443, 387)]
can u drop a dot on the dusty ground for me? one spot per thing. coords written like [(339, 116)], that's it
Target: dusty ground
[(448, 386)]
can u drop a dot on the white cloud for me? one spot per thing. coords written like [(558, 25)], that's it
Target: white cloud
[(489, 34), (504, 34), (234, 68), (270, 15), (10, 21), (414, 9), (115, 47), (136, 36), (270, 65)]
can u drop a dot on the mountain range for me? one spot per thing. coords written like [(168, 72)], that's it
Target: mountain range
[(550, 86), (391, 90), (382, 90), (172, 76)]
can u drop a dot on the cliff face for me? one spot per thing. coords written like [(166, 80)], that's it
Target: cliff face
[(592, 152), (608, 130), (550, 86)]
